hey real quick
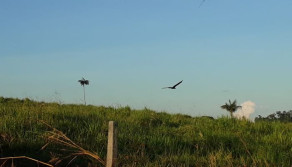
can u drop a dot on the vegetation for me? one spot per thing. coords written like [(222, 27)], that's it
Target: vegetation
[(146, 137), (231, 107), (83, 82), (278, 116)]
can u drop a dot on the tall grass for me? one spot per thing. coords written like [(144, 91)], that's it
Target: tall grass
[(146, 137)]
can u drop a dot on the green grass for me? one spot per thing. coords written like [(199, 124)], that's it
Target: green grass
[(146, 137)]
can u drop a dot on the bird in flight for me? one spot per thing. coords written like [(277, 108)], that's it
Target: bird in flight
[(173, 87)]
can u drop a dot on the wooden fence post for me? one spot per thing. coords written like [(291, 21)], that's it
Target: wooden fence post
[(112, 145)]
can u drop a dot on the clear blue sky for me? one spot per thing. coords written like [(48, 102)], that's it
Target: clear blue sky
[(129, 50)]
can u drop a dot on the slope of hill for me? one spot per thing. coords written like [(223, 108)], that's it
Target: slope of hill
[(146, 137)]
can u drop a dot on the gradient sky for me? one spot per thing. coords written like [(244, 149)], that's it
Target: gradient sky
[(130, 49)]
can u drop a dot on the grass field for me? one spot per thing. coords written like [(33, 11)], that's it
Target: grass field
[(146, 137)]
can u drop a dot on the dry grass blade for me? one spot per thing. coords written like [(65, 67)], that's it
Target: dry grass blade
[(3, 163), (58, 137), (71, 161), (22, 158)]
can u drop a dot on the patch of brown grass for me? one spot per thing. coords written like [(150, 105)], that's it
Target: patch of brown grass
[(54, 136)]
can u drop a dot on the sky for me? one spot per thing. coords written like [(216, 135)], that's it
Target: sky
[(130, 49)]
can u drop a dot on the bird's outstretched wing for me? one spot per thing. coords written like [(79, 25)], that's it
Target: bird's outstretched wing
[(177, 84), (173, 87)]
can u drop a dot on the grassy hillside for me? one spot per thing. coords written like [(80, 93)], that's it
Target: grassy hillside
[(146, 138)]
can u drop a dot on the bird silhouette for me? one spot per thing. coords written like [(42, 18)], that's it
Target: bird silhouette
[(174, 86)]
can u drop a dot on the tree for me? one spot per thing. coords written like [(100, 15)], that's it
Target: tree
[(84, 82), (231, 107), (282, 116)]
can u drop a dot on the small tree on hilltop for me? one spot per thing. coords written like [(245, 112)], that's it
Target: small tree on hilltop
[(231, 107), (84, 82)]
